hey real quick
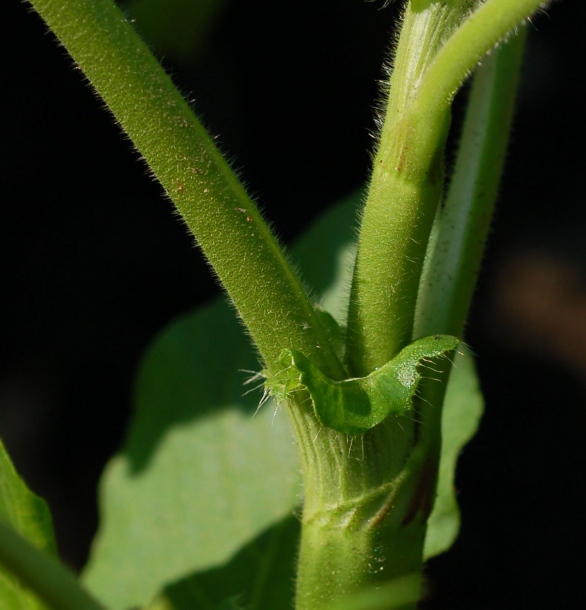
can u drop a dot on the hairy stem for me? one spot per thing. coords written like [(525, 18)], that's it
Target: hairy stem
[(454, 260), (348, 537), (360, 524), (405, 189), (407, 179), (182, 156), (450, 278)]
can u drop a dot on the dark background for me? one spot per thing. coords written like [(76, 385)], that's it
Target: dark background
[(93, 263)]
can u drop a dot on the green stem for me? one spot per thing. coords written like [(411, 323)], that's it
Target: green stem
[(407, 179), (450, 278), (454, 260), (484, 28), (347, 530), (405, 189), (337, 561), (360, 525), (43, 574), (181, 155)]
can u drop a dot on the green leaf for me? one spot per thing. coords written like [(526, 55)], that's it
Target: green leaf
[(260, 576), (29, 516), (462, 411), (199, 477), (354, 406)]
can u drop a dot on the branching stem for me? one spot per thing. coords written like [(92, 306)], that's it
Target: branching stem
[(185, 160), (407, 180)]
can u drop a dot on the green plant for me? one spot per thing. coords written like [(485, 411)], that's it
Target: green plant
[(370, 459)]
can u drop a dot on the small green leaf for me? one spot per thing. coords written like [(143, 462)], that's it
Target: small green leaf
[(463, 407), (354, 406), (29, 516)]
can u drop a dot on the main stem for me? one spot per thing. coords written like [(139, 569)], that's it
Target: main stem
[(366, 506), (368, 498)]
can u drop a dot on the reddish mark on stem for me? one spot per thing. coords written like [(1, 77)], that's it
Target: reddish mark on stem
[(244, 211), (403, 137), (402, 157)]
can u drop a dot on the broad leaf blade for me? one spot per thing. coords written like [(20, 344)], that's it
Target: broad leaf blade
[(260, 576), (462, 411), (199, 476), (28, 515)]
